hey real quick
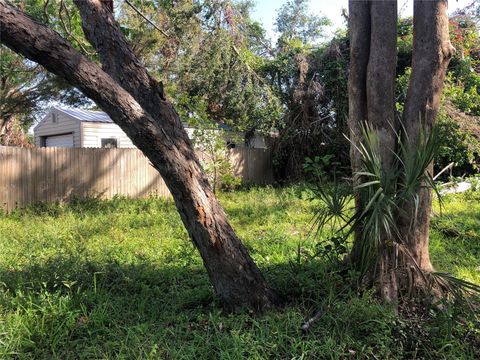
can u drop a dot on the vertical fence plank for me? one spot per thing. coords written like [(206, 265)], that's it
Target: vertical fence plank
[(8, 179), (3, 182), (35, 175), (113, 158)]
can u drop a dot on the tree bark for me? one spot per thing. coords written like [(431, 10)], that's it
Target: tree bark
[(359, 28), (432, 52), (5, 121), (381, 115), (156, 130), (372, 99), (3, 124), (382, 64), (373, 39)]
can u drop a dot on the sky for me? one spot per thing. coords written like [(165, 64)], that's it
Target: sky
[(266, 10)]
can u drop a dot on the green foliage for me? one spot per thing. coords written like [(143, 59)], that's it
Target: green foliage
[(311, 84), (459, 140), (335, 196), (213, 143), (404, 44), (463, 84), (467, 101), (384, 192), (458, 145), (295, 22), (459, 135), (218, 64), (333, 249), (26, 89), (401, 87), (120, 279), (63, 17), (225, 79), (207, 55)]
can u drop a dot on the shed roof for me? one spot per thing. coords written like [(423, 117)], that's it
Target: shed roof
[(87, 115), (102, 117)]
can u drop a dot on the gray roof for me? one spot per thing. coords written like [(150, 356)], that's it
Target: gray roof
[(87, 115), (100, 116), (91, 116)]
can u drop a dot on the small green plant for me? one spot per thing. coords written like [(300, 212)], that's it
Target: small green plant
[(334, 196), (315, 168), (465, 99), (458, 144), (333, 249), (212, 143), (385, 192), (334, 209), (475, 184)]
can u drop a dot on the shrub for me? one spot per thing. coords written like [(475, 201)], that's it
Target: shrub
[(458, 143), (212, 142)]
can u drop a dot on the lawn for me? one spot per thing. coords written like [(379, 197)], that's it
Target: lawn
[(120, 279)]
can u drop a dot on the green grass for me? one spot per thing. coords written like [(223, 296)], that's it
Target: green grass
[(120, 279)]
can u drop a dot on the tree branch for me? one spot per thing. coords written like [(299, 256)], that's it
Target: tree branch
[(68, 30), (146, 19)]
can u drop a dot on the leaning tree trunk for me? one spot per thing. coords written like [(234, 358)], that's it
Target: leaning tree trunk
[(136, 102), (372, 100)]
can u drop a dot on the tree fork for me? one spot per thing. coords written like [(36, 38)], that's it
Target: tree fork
[(371, 99)]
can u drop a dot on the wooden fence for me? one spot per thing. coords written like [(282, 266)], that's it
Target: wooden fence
[(28, 176)]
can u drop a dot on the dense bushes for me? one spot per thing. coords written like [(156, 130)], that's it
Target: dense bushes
[(460, 143)]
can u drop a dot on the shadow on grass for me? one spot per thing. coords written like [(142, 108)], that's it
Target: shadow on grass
[(67, 307), (136, 308), (71, 309), (179, 287)]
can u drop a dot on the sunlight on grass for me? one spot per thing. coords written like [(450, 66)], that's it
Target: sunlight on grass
[(120, 279), (455, 236)]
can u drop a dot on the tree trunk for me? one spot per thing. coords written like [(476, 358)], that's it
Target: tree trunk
[(372, 99), (373, 41), (139, 107), (381, 115), (432, 51), (359, 28)]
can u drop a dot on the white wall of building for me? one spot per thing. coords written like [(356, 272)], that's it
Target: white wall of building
[(93, 133), (58, 128), (57, 123)]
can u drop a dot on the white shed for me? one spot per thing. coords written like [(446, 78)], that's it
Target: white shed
[(79, 128), (94, 129)]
